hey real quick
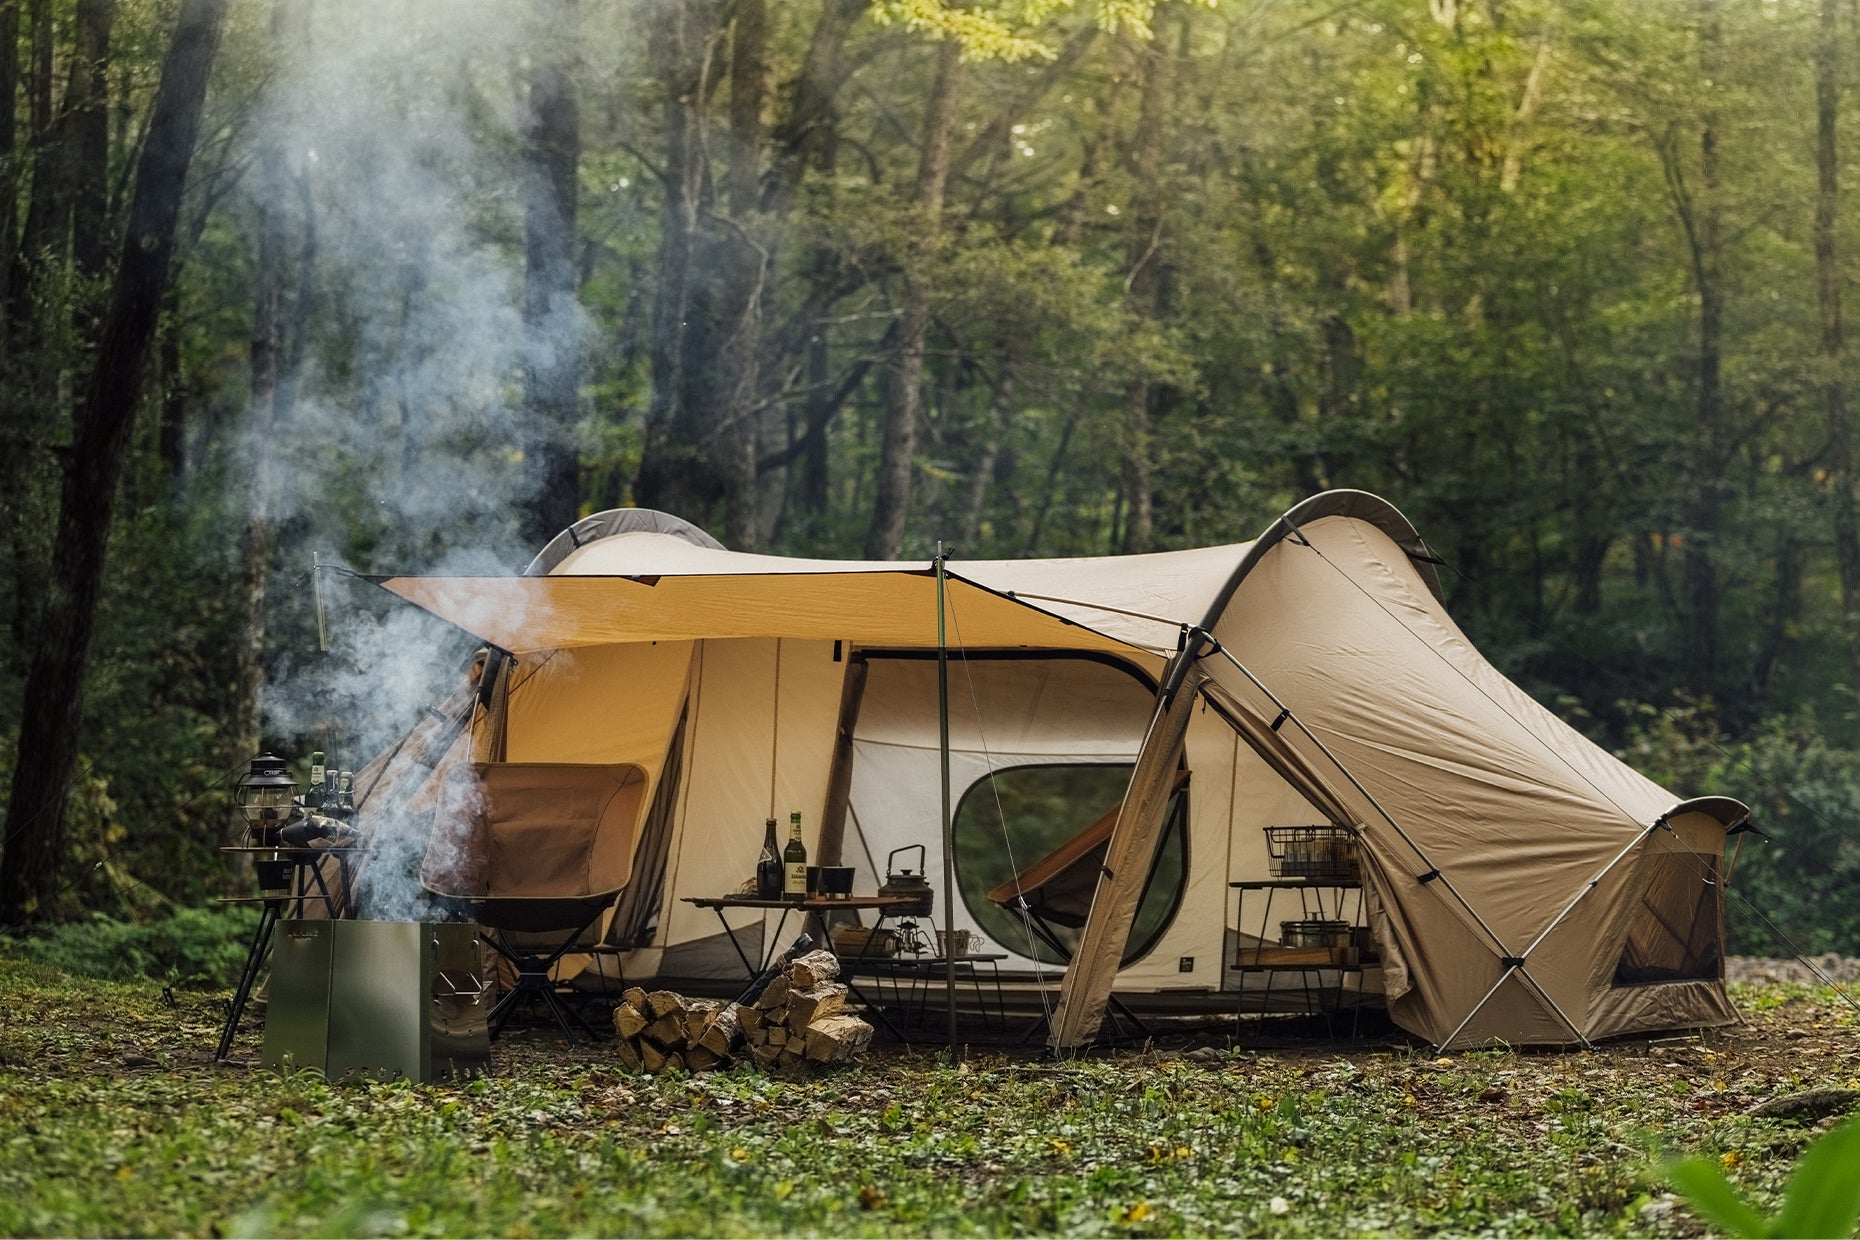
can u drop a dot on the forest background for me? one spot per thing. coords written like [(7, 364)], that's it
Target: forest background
[(390, 285)]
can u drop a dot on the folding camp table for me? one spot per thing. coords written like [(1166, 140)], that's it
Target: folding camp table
[(814, 910)]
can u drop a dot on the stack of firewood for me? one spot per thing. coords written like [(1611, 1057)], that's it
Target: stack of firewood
[(799, 1017)]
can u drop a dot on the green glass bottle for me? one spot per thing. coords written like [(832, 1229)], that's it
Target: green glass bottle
[(794, 862), (313, 794)]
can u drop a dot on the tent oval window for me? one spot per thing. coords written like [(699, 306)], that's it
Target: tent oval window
[(1029, 843)]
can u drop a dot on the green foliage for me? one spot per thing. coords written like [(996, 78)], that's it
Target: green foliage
[(1792, 894), (1822, 1199), (191, 947), (115, 1123), (1440, 252)]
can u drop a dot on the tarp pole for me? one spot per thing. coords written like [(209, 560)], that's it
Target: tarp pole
[(1535, 989), (949, 841)]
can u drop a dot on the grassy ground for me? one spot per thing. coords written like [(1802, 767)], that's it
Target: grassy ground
[(114, 1120)]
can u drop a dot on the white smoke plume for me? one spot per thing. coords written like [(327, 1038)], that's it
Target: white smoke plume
[(400, 425)]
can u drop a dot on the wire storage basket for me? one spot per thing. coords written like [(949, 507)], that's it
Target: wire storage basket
[(1313, 852)]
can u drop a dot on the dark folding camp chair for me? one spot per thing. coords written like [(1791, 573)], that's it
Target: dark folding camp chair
[(537, 852)]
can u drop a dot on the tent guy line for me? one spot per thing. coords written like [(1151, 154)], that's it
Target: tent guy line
[(1025, 914), (1432, 873), (1478, 688)]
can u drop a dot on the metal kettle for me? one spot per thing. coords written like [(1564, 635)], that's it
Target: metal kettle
[(908, 883)]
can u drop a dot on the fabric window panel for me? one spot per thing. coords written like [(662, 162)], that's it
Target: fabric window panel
[(1674, 935)]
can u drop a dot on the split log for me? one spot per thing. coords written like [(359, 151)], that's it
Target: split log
[(653, 1059), (698, 1015), (668, 1031), (662, 1003), (818, 1003), (627, 1051), (836, 1038), (774, 995), (722, 1032), (635, 995), (628, 1020), (808, 971)]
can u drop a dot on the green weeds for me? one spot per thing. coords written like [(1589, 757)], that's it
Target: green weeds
[(1822, 1199), (113, 1120)]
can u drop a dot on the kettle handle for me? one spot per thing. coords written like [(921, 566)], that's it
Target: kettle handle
[(923, 858)]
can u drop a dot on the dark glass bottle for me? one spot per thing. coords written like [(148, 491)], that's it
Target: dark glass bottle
[(768, 865)]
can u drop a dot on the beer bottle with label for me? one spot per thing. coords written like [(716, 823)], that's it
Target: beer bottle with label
[(313, 793), (794, 862)]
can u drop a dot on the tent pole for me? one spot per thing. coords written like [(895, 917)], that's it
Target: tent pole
[(1545, 933), (1535, 989), (949, 843), (1367, 795), (316, 591), (1592, 884)]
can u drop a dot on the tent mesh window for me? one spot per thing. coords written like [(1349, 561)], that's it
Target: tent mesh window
[(1043, 808), (1675, 932)]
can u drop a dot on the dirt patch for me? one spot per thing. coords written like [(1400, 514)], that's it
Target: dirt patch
[(1842, 971), (1794, 1035)]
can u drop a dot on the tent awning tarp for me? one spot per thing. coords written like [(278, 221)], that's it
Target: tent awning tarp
[(656, 587)]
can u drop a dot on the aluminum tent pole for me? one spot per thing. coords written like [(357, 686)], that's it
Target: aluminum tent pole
[(949, 842)]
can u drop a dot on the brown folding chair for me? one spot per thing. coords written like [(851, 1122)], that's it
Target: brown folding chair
[(536, 851)]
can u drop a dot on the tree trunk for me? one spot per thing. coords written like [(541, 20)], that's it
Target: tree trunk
[(87, 109), (1828, 290), (903, 392), (673, 474), (171, 430), (743, 261), (265, 351), (807, 139), (9, 180), (1783, 616), (551, 312), (41, 234), (53, 701), (988, 452), (1144, 284), (1699, 563)]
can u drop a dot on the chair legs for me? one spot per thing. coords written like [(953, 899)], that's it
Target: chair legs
[(534, 982)]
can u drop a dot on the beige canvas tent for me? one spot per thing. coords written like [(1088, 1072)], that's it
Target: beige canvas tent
[(1519, 882)]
